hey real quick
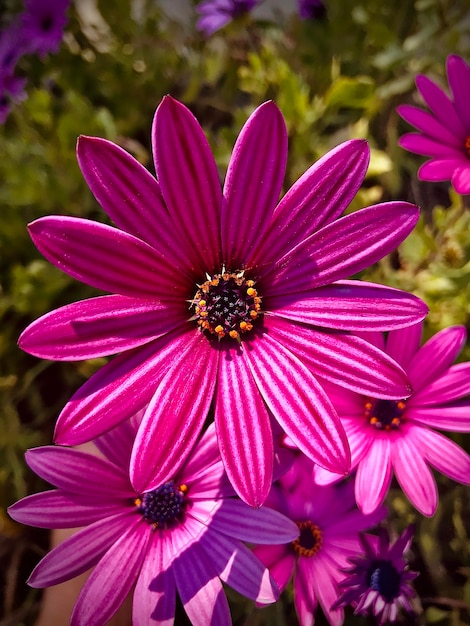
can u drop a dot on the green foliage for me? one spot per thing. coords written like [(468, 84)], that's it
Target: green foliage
[(334, 79)]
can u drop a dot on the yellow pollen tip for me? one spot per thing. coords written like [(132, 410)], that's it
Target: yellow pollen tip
[(201, 303), (253, 314), (183, 488), (203, 313), (251, 292), (373, 420), (368, 405), (401, 405), (137, 501), (396, 421), (219, 330), (233, 334)]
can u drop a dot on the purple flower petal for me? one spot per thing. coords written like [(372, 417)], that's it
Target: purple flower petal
[(452, 385), (402, 344), (200, 589), (98, 327), (440, 104), (253, 183), (280, 562), (413, 474), (305, 600), (436, 356), (130, 195), (319, 196), (323, 575), (103, 592), (461, 178), (458, 75), (453, 417), (343, 359), (81, 551), (118, 390), (106, 258), (174, 420), (374, 475), (80, 472), (343, 248), (292, 393), (444, 454), (437, 170), (239, 568), (429, 125), (116, 445), (243, 429), (189, 182), (52, 509), (351, 305), (415, 142)]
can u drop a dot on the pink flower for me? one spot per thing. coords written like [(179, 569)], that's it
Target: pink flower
[(379, 582), (445, 131), (223, 298), (179, 536), (330, 528), (389, 437)]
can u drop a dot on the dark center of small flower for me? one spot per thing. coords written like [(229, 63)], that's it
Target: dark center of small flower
[(385, 414), (46, 23), (310, 539), (163, 507), (384, 578), (226, 305), (467, 145)]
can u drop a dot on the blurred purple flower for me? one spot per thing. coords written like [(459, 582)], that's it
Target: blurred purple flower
[(11, 92), (177, 537), (223, 297), (379, 582), (215, 14), (387, 436), (43, 23), (330, 527), (311, 9), (445, 131), (11, 86)]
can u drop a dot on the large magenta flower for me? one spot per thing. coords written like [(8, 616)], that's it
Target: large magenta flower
[(179, 536), (223, 298), (445, 131), (389, 437), (330, 527)]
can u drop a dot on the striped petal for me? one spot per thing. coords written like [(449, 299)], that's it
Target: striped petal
[(374, 475), (403, 343), (452, 385), (453, 417), (444, 454)]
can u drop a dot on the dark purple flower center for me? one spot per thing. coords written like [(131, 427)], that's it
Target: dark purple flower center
[(163, 507), (310, 539), (46, 23), (467, 145), (226, 305), (385, 414), (384, 578)]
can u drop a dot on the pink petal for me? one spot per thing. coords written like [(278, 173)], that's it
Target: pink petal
[(436, 356), (116, 444), (305, 601), (343, 248), (461, 178), (454, 417), (118, 390), (253, 183), (444, 454), (298, 403), (420, 144), (98, 327), (458, 76), (189, 182), (243, 429), (130, 195), (155, 591), (374, 474), (429, 125), (403, 343), (80, 472), (413, 474), (452, 385), (350, 305), (200, 589), (343, 359), (103, 592), (106, 258), (173, 420), (440, 104), (54, 509), (280, 562), (239, 568), (82, 550), (437, 170), (323, 576), (317, 198)]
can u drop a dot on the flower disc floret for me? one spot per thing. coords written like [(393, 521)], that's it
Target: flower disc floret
[(385, 414), (163, 507), (226, 305), (310, 539), (384, 578)]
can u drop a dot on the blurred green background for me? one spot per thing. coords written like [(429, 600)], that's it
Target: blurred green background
[(334, 79)]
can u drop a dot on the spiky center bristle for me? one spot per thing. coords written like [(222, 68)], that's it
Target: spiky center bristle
[(163, 507), (310, 539), (226, 305), (384, 578), (385, 414)]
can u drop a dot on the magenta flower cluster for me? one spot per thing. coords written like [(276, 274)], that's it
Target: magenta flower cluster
[(229, 307)]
